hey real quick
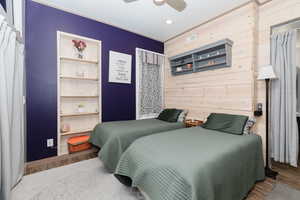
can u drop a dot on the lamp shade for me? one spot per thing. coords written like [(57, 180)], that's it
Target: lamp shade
[(266, 72)]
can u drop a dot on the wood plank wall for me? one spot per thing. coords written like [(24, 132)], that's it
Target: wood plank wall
[(229, 90)]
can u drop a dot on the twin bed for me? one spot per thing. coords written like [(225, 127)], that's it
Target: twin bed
[(114, 137), (182, 163)]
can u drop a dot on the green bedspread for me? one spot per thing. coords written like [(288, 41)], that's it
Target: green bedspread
[(193, 164), (114, 137)]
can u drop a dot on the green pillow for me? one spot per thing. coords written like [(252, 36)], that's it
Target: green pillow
[(169, 115), (233, 124)]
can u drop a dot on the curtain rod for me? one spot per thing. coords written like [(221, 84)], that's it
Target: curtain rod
[(275, 32), (150, 51)]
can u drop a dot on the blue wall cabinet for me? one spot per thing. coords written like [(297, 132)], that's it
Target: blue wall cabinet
[(213, 56)]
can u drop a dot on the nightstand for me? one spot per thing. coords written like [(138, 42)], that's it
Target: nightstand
[(189, 123)]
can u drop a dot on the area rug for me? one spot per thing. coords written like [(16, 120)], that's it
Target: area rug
[(86, 180), (283, 192)]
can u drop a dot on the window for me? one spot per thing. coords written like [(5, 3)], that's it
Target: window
[(149, 84)]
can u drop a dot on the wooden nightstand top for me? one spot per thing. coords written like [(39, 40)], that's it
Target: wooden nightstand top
[(190, 123)]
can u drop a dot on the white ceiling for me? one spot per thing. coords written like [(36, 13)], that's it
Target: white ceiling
[(143, 17)]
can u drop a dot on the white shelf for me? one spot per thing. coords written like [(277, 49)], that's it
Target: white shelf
[(74, 90), (79, 60), (79, 114), (71, 96), (77, 132), (79, 78)]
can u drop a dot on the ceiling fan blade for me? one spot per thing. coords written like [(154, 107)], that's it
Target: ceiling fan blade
[(129, 1), (178, 5)]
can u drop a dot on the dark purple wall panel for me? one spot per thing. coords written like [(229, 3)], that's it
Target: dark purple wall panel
[(3, 3), (118, 100)]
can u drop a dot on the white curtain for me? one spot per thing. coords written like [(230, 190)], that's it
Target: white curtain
[(149, 82), (284, 128), (11, 109)]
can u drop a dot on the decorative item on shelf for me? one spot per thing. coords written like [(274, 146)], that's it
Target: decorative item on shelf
[(190, 66), (65, 128), (80, 74), (178, 69), (211, 62), (80, 46), (80, 108), (214, 53)]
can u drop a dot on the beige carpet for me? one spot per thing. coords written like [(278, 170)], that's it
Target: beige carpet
[(88, 180)]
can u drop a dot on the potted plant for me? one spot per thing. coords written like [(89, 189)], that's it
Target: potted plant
[(80, 46)]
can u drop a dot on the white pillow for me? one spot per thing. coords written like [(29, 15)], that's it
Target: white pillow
[(249, 124), (182, 116)]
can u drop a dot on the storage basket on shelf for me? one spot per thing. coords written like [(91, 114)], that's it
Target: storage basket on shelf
[(79, 143)]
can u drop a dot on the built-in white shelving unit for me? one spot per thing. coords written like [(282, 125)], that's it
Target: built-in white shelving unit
[(79, 88)]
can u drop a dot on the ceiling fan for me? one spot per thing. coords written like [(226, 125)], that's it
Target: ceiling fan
[(178, 5)]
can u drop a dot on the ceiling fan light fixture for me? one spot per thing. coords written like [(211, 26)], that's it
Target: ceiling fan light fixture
[(159, 2), (178, 5), (169, 21)]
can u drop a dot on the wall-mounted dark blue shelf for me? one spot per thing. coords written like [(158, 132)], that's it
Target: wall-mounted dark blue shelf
[(213, 56)]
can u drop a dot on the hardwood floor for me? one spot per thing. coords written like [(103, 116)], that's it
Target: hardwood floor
[(58, 161), (287, 175), (261, 190)]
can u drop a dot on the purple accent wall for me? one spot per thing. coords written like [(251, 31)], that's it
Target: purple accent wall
[(118, 100), (3, 3)]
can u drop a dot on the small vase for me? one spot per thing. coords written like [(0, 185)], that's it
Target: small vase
[(80, 74), (77, 53), (65, 128), (80, 54), (80, 109)]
